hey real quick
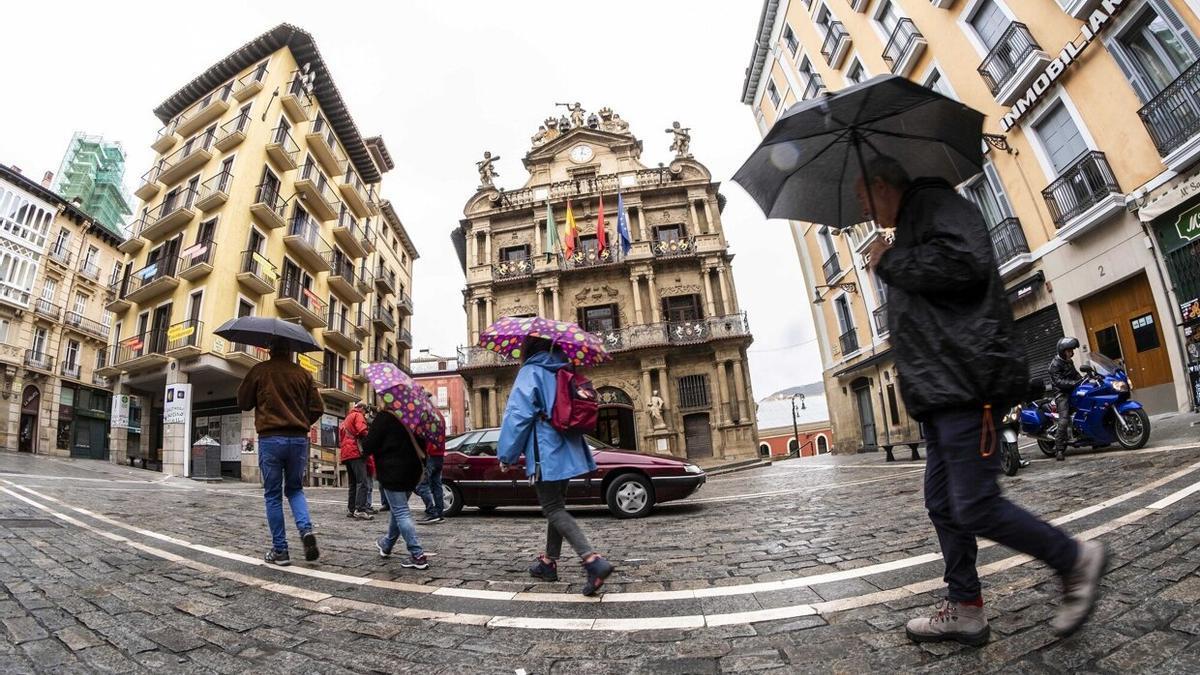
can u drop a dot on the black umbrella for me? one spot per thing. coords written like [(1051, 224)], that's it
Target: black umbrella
[(807, 165), (262, 331)]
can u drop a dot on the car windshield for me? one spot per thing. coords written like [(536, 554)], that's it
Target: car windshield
[(1104, 365), (457, 442), (595, 444)]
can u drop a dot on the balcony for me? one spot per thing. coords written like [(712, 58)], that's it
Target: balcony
[(60, 255), (185, 338), (133, 241), (858, 5), (814, 88), (339, 387), (382, 318), (269, 207), (314, 188), (282, 149), (1079, 9), (385, 281), (836, 45), (404, 303), (304, 241), (100, 380), (478, 357), (205, 112), (71, 370), (512, 270), (341, 278), (862, 234), (169, 217), (214, 192), (364, 281), (323, 144), (85, 326), (37, 360), (187, 160), (297, 302), (1013, 64), (684, 247), (295, 100), (349, 234), (198, 260), (251, 83), (587, 258), (246, 355), (904, 47), (114, 300), (148, 185), (257, 274), (848, 342), (90, 270), (152, 281), (354, 190), (881, 322), (165, 140), (832, 268), (1172, 118), (343, 334), (232, 133), (109, 369), (404, 337), (43, 307), (141, 352), (368, 237), (1084, 196), (1012, 251)]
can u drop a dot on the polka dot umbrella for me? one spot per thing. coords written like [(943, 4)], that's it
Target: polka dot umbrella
[(506, 336), (408, 401)]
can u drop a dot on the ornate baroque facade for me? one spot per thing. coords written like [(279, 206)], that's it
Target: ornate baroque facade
[(667, 308)]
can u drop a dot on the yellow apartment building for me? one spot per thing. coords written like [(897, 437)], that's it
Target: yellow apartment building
[(54, 267), (263, 200), (1089, 186)]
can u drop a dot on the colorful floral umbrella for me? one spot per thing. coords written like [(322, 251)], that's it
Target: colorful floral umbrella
[(506, 336), (408, 401)]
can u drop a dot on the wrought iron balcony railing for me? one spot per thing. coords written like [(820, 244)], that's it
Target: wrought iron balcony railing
[(1083, 185), (903, 36), (814, 87), (163, 268), (832, 267), (61, 255), (1173, 116), (834, 39), (520, 268), (1008, 240), (1006, 57), (849, 341), (90, 326), (880, 315), (90, 270), (675, 248), (46, 308), (39, 360)]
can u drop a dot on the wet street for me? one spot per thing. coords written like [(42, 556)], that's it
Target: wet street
[(804, 566)]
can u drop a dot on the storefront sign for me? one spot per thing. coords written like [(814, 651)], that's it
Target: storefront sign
[(179, 332), (1100, 19), (307, 363), (1190, 310), (120, 411), (178, 404), (1188, 224)]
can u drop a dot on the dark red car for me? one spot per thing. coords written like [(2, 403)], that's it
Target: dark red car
[(628, 482)]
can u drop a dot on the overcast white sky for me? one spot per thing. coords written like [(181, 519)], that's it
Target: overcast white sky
[(442, 82)]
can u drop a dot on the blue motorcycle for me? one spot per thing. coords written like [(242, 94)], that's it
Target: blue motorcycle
[(1102, 411)]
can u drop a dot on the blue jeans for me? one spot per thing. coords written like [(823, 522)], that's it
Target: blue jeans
[(963, 499), (282, 461), (430, 489), (400, 524)]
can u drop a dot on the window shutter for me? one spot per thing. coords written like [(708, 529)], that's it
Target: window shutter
[(993, 179), (1166, 11), (1140, 87)]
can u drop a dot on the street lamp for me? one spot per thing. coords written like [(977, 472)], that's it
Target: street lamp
[(795, 426)]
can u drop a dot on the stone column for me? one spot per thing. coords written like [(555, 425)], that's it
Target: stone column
[(557, 313), (722, 393), (472, 250), (695, 218), (473, 319), (487, 247), (647, 389), (708, 215), (488, 305), (478, 418), (637, 298), (708, 291), (729, 302), (538, 234), (494, 406), (641, 224), (739, 381), (655, 305), (664, 388), (541, 305)]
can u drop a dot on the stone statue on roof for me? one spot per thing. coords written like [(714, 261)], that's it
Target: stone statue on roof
[(576, 112), (487, 170), (681, 140), (612, 122)]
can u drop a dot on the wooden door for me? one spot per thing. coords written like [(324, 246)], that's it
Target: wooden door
[(697, 436), (1123, 323)]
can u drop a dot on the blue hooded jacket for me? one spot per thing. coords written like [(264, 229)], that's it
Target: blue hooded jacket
[(562, 456)]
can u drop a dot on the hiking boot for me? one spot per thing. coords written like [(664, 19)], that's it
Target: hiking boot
[(385, 551), (1081, 588), (310, 545), (363, 515), (597, 571), (431, 520), (280, 558), (544, 568), (417, 562), (967, 624)]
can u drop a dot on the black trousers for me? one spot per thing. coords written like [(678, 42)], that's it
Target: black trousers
[(356, 470), (1063, 403)]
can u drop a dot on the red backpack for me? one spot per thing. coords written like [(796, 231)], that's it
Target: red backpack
[(576, 407)]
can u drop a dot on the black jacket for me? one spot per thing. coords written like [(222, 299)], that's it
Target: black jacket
[(950, 321), (1063, 375), (396, 462)]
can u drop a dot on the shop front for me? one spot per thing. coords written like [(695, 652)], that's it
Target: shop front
[(83, 422), (221, 421), (1178, 234)]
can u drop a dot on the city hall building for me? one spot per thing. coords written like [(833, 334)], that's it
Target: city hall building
[(1089, 185), (666, 308)]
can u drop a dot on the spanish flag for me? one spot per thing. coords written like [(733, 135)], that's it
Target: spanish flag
[(601, 235), (572, 231)]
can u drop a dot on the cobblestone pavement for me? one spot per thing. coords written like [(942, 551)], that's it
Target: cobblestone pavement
[(803, 566)]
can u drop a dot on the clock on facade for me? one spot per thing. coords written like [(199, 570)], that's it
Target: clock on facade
[(581, 153)]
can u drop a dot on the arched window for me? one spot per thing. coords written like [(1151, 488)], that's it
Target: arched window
[(613, 396), (822, 445), (764, 450), (792, 446)]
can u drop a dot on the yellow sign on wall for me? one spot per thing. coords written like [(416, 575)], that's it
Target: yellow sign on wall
[(179, 332), (307, 363)]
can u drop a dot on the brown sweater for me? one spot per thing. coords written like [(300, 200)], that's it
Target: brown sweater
[(283, 396)]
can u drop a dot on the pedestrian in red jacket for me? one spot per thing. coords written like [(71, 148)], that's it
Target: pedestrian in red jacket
[(352, 431)]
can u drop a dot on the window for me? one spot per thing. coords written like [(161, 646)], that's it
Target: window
[(693, 391), (225, 175), (101, 358), (824, 18), (789, 39), (61, 243), (825, 240), (681, 308), (589, 244), (989, 22), (89, 260), (1060, 137), (443, 394), (194, 305), (844, 317), (80, 305), (1155, 49), (1108, 343), (1145, 334), (49, 289), (988, 195), (513, 253), (206, 233), (773, 94), (936, 82), (887, 17), (72, 358), (210, 135), (856, 72), (245, 308), (39, 341), (668, 233), (599, 319), (893, 406)]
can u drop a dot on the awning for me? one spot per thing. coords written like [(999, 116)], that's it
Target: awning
[(870, 361), (1175, 192), (1025, 288)]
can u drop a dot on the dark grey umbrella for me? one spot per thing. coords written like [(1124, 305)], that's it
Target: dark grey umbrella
[(807, 165), (262, 331)]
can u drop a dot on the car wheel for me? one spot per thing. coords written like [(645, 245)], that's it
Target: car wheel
[(451, 499), (630, 496), (486, 508), (1047, 447)]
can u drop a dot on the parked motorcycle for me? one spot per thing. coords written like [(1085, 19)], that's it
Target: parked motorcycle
[(1102, 411), (1010, 455)]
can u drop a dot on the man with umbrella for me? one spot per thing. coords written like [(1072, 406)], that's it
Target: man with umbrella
[(831, 161), (286, 404)]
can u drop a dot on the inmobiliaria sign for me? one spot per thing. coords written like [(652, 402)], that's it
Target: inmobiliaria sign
[(1097, 23)]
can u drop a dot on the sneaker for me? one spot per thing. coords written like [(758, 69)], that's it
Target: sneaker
[(310, 545), (417, 562), (349, 514), (385, 551), (280, 558), (951, 621), (363, 515), (431, 520), (544, 568), (1081, 588), (597, 571), (372, 510)]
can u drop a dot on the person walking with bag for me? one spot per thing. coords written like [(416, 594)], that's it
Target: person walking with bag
[(352, 431), (548, 405), (399, 462)]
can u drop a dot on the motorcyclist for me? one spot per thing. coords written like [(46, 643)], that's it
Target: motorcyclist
[(1064, 378)]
